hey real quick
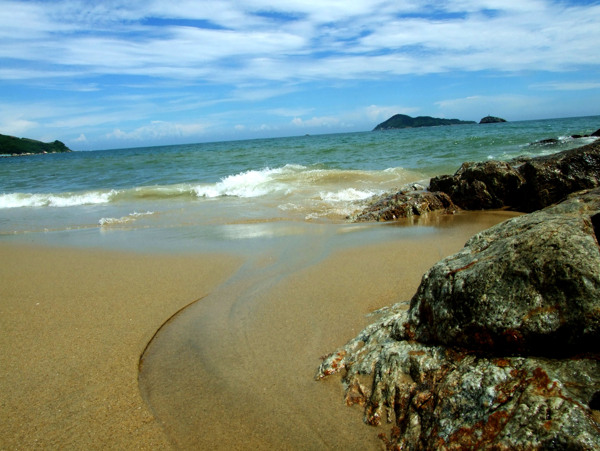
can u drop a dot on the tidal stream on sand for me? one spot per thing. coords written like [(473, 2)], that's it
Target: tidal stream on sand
[(236, 369)]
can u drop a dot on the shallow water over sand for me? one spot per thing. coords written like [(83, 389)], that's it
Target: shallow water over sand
[(235, 370)]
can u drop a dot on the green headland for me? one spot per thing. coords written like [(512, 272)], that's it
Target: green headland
[(11, 145)]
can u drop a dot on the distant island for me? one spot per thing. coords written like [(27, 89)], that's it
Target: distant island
[(404, 121), (11, 145), (491, 120)]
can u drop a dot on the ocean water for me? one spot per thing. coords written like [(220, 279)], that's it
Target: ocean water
[(204, 196)]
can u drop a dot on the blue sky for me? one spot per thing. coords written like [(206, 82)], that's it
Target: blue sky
[(129, 73)]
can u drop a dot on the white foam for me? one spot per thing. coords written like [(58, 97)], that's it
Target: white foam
[(17, 200), (347, 195), (250, 183), (103, 222)]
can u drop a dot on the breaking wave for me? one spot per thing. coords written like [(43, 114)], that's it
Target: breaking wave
[(331, 185)]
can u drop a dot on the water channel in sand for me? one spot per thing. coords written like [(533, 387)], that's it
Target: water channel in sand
[(235, 370)]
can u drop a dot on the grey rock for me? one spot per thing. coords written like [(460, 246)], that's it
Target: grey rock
[(443, 398), (500, 347), (530, 285)]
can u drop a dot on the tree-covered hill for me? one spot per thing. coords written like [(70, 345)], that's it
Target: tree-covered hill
[(11, 145)]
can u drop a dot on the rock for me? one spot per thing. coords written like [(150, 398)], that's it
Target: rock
[(491, 120), (545, 142), (500, 347), (596, 133), (523, 184), (550, 179), (405, 204), (441, 398), (476, 186), (528, 286)]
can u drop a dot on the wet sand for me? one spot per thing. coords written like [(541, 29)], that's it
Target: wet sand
[(233, 371)]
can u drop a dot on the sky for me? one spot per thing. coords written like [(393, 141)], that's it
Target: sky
[(130, 73)]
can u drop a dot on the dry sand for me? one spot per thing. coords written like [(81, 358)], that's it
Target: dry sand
[(74, 323)]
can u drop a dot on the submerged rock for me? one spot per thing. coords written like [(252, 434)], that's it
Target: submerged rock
[(405, 204), (500, 347)]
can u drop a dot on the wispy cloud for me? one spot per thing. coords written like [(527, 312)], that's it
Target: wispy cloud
[(159, 130), (322, 39), (567, 86), (481, 105)]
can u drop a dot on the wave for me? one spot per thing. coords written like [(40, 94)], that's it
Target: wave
[(290, 180)]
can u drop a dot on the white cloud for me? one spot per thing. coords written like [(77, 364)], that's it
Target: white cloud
[(377, 113), (16, 126), (475, 107), (80, 138), (323, 121), (159, 130)]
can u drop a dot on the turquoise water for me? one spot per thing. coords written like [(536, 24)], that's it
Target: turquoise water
[(217, 192)]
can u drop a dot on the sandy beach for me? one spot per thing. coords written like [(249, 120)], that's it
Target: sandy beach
[(75, 322)]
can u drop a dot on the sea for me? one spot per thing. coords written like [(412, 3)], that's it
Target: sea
[(242, 194)]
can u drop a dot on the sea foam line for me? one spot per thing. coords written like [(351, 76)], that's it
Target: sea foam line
[(104, 222), (18, 200)]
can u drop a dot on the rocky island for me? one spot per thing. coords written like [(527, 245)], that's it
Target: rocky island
[(11, 145), (403, 121), (499, 348), (491, 120)]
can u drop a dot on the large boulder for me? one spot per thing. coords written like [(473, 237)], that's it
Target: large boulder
[(500, 347), (530, 285)]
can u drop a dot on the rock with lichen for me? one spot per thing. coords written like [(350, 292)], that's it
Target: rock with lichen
[(500, 347)]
